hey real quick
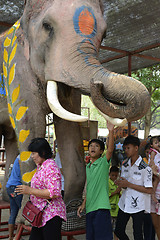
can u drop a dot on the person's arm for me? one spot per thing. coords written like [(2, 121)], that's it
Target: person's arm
[(155, 170), (117, 191), (81, 208), (151, 163), (123, 183), (42, 193), (110, 146), (155, 184), (51, 180)]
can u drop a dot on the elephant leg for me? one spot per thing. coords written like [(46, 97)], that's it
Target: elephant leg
[(69, 140), (11, 148)]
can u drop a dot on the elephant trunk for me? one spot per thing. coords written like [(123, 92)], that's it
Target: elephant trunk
[(119, 96), (113, 94)]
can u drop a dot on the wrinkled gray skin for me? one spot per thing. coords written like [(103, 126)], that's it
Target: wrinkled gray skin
[(51, 48)]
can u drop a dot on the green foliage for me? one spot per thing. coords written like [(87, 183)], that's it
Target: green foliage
[(150, 77), (88, 108)]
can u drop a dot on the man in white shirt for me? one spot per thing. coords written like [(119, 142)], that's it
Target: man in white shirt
[(136, 179)]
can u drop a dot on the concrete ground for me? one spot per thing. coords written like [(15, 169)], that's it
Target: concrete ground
[(5, 216)]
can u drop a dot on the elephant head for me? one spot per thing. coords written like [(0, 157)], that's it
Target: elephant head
[(64, 48), (56, 43)]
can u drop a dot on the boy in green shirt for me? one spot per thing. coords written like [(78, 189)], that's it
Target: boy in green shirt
[(98, 219), (114, 195)]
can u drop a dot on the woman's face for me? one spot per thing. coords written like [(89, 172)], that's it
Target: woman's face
[(156, 144), (37, 159)]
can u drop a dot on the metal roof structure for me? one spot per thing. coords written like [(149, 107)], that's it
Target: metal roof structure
[(133, 32)]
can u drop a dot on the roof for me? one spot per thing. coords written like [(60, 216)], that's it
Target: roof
[(133, 32), (133, 28)]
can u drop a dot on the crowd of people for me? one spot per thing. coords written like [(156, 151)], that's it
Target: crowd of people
[(134, 193), (113, 194)]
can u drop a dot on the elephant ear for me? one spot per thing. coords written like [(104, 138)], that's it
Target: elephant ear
[(26, 49), (24, 26), (23, 41), (31, 9)]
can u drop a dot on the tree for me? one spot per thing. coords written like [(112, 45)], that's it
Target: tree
[(88, 108), (150, 77)]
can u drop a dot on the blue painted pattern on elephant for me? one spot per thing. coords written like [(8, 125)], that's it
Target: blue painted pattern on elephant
[(88, 58), (2, 86), (85, 24)]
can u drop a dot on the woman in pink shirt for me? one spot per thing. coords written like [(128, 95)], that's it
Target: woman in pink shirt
[(45, 185)]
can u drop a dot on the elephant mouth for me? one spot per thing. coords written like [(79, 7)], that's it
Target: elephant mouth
[(122, 108), (121, 103), (54, 104), (104, 103)]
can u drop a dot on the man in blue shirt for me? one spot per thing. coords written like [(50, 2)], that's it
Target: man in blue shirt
[(15, 200)]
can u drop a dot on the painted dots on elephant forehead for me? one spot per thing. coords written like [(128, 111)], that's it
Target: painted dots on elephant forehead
[(84, 21)]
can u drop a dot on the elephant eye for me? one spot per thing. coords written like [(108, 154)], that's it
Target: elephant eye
[(47, 27)]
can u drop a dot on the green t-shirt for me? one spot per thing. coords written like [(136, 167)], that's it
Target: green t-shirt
[(114, 199), (97, 195)]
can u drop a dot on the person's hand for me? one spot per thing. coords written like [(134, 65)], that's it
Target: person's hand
[(154, 198), (118, 190), (154, 169), (110, 126), (122, 183), (80, 210), (22, 189)]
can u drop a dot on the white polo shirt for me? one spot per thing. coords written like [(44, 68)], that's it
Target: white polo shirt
[(140, 173)]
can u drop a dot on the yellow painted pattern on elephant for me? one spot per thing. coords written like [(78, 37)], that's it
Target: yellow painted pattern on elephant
[(9, 70), (28, 176), (25, 155)]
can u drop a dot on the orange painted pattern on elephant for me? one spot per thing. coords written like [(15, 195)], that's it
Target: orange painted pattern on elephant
[(86, 22)]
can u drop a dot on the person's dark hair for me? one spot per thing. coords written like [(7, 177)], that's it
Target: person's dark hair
[(131, 140), (152, 138), (100, 142), (114, 169), (148, 145), (41, 146)]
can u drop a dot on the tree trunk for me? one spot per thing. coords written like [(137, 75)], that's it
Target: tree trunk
[(148, 118)]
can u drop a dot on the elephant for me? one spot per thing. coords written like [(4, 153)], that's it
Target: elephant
[(48, 58)]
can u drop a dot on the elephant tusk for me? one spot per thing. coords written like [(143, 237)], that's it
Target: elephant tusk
[(52, 98), (116, 121)]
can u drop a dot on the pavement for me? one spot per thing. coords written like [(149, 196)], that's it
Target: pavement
[(5, 216)]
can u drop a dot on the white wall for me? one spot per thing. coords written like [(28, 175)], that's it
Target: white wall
[(153, 132)]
